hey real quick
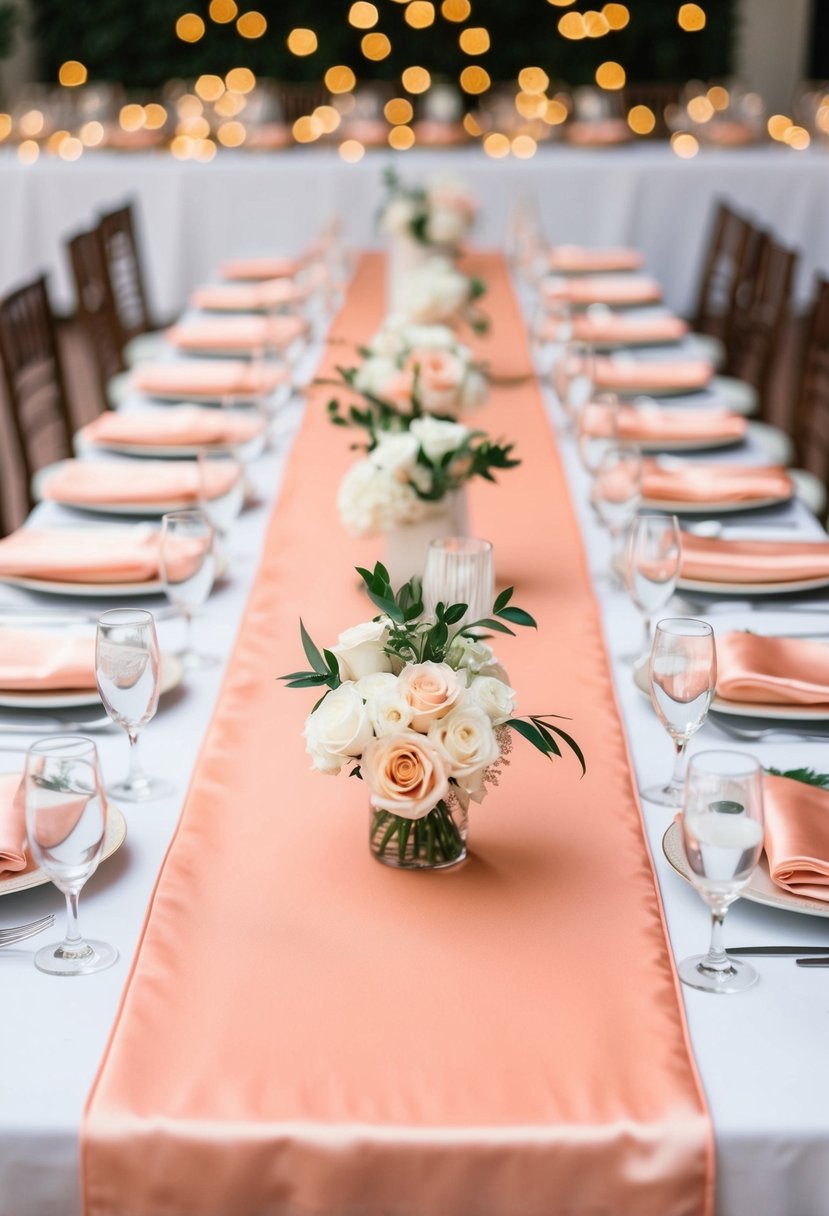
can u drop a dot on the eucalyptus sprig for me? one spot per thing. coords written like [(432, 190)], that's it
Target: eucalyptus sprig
[(808, 776)]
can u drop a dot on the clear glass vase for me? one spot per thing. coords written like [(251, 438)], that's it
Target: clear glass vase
[(435, 842), (408, 544)]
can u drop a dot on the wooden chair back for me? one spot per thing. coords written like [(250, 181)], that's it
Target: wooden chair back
[(126, 276), (728, 271), (35, 397), (811, 426), (760, 319), (96, 304)]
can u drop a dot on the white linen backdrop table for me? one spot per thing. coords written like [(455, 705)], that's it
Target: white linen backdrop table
[(762, 1055), (193, 215)]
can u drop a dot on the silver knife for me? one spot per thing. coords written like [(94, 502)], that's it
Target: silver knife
[(812, 962), (777, 951)]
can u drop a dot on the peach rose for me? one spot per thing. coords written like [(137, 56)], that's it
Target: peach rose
[(440, 377), (398, 389), (432, 689), (405, 774)]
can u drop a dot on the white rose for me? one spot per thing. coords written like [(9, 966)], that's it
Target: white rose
[(374, 373), (371, 499), (432, 690), (338, 728), (445, 226), (438, 438), (494, 697), (474, 390), (360, 652), (469, 654), (435, 293), (396, 452), (466, 741), (397, 216), (389, 712), (376, 684), (436, 337)]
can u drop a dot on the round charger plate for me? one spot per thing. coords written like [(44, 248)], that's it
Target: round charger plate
[(746, 709), (760, 890), (712, 508), (779, 588), (116, 833), (82, 590), (657, 390), (685, 445), (172, 672)]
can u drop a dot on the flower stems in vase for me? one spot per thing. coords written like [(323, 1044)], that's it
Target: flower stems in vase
[(436, 841)]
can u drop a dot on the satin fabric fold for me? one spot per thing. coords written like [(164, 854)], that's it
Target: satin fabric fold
[(772, 671), (619, 289), (621, 329), (252, 269), (12, 825), (88, 555), (581, 259), (308, 1032), (658, 376), (718, 559), (200, 378), (701, 483), (98, 482), (172, 428), (674, 426), (35, 659), (248, 297), (237, 334), (797, 836)]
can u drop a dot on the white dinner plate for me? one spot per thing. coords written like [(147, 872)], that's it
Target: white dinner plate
[(657, 390), (172, 671), (53, 587), (712, 508), (278, 396), (747, 709), (685, 445), (760, 889), (779, 588), (148, 510), (116, 833)]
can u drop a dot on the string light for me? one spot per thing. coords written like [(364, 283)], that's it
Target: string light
[(719, 97), (778, 125), (222, 11), (596, 25), (155, 116), (210, 88), (92, 134), (351, 150), (571, 26), (416, 80), (555, 112), (375, 46), (251, 25), (471, 126), (641, 120), (28, 152), (398, 111), (533, 80), (401, 139), (190, 27), (475, 80), (524, 146), (617, 16), (610, 75), (340, 79), (419, 14), (684, 145), (72, 73), (496, 145), (700, 109), (455, 10), (302, 42), (363, 16), (691, 17), (306, 129), (530, 105), (328, 118), (132, 117), (231, 134), (474, 40), (240, 80)]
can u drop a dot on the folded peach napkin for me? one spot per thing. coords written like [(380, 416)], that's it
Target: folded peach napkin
[(261, 268), (653, 376), (639, 424), (772, 671), (34, 660), (753, 561), (200, 378), (100, 482), (87, 555), (580, 259), (621, 329), (597, 133), (237, 333), (12, 825), (610, 289), (249, 297), (173, 428), (797, 836), (702, 483)]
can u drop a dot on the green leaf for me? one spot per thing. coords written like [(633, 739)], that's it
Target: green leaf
[(502, 600), (807, 775), (333, 664), (571, 743), (308, 682), (311, 653), (296, 675), (455, 613), (487, 623), (518, 617), (530, 733)]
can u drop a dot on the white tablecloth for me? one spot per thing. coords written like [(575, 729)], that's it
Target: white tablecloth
[(198, 214), (761, 1055)]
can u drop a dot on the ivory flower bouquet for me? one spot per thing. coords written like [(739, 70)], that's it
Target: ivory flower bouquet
[(421, 710), (440, 213)]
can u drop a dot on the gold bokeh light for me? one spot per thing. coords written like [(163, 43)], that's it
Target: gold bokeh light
[(474, 40), (778, 125), (472, 126), (132, 117), (455, 10), (31, 123), (328, 118), (240, 80), (797, 137), (596, 25), (415, 80), (719, 97), (496, 145), (684, 145), (375, 46), (524, 146), (302, 42), (252, 24), (691, 17), (222, 11), (155, 116), (533, 80), (190, 27), (28, 152), (475, 80), (571, 26), (231, 134), (398, 111), (401, 139), (306, 129), (92, 134), (617, 16), (362, 15), (72, 73), (351, 150), (210, 88), (419, 14), (530, 105), (610, 75), (700, 109), (641, 120), (555, 112), (340, 79)]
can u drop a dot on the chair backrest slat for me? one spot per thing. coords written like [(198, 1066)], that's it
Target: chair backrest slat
[(761, 317), (126, 276), (96, 304), (812, 409)]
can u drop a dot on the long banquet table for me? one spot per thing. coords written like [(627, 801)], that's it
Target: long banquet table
[(641, 195), (760, 1056)]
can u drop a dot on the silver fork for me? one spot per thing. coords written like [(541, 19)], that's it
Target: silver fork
[(753, 734), (19, 933), (48, 725)]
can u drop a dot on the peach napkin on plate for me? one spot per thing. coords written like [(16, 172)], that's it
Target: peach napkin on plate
[(619, 289), (237, 334), (252, 269), (581, 259), (35, 660), (201, 378), (720, 560), (124, 482), (772, 670), (633, 376), (797, 836), (87, 555), (620, 329), (12, 825), (658, 425), (172, 428), (249, 297), (697, 484)]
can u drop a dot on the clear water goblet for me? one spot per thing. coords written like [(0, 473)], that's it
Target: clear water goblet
[(66, 817), (128, 674), (221, 489), (722, 835), (616, 495), (682, 673), (188, 570), (653, 555), (573, 379), (597, 430)]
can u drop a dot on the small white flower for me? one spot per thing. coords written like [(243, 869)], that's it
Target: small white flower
[(494, 697), (437, 437), (389, 712), (397, 215), (466, 740), (360, 652), (396, 452), (374, 373), (337, 729), (470, 655), (375, 685)]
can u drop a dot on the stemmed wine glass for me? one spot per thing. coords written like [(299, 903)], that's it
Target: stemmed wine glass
[(616, 494), (66, 814), (683, 675), (574, 379), (128, 674), (722, 834), (597, 429), (459, 570), (652, 560), (215, 468), (188, 568)]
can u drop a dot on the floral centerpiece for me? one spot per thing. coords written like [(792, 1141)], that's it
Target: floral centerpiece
[(437, 293), (421, 710), (409, 485), (440, 213)]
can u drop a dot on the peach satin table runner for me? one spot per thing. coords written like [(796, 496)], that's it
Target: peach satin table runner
[(307, 1032)]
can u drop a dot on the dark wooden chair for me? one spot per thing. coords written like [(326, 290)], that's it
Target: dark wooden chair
[(126, 275), (811, 421), (760, 318), (96, 304), (728, 272), (35, 400)]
